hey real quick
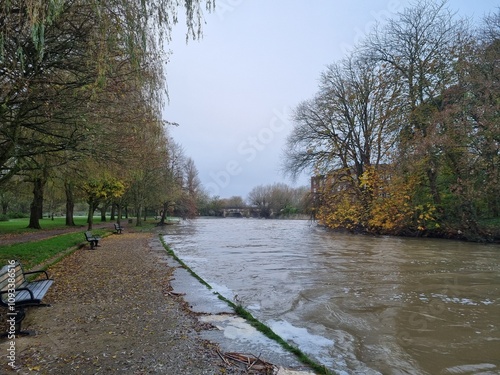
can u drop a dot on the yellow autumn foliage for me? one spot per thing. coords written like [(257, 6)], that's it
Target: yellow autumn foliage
[(342, 212), (393, 209), (378, 202)]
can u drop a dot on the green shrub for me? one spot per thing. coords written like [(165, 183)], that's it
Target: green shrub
[(17, 215)]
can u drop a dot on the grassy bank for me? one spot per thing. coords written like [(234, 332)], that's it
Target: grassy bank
[(261, 327), (32, 253), (17, 226), (36, 252)]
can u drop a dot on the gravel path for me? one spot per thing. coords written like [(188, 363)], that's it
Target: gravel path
[(112, 313)]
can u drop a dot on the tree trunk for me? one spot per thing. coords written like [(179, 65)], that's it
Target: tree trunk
[(90, 217), (432, 176), (36, 207), (493, 204), (118, 213), (70, 204), (103, 212), (113, 209), (163, 214), (139, 216)]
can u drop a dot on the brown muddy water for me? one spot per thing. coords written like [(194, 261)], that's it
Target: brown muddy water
[(357, 304)]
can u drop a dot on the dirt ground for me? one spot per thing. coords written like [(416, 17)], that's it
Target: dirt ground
[(111, 312)]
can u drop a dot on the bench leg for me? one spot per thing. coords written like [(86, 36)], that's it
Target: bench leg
[(22, 314)]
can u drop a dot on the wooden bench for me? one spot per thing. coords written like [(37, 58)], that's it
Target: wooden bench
[(92, 240), (118, 228), (17, 292)]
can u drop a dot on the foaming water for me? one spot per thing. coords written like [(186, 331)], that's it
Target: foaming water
[(358, 304)]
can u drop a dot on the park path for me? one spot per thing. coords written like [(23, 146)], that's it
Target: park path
[(112, 312)]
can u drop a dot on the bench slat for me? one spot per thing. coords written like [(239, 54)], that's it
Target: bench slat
[(24, 293), (38, 288), (7, 271)]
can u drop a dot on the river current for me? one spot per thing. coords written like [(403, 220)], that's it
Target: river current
[(358, 304)]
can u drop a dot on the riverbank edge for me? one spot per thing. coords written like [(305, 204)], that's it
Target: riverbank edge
[(452, 235), (254, 322)]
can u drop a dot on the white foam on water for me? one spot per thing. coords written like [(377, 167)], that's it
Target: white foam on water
[(238, 329), (472, 369), (309, 343), (283, 371), (223, 290), (254, 307)]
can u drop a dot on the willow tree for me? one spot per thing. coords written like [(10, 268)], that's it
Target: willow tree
[(60, 59), (56, 55), (41, 67)]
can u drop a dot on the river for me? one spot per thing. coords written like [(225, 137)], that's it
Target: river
[(358, 304)]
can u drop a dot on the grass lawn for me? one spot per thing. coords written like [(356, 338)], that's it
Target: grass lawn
[(35, 252), (20, 225), (17, 226), (32, 253)]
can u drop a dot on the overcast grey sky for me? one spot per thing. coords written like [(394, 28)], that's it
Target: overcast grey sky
[(233, 91)]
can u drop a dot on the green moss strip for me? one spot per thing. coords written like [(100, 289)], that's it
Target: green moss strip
[(261, 327), (184, 265)]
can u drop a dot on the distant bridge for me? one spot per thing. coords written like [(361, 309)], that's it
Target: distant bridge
[(245, 211)]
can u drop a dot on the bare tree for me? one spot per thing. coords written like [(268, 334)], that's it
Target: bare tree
[(419, 49), (234, 201), (191, 189), (173, 178), (260, 197), (350, 124), (193, 182), (276, 199)]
